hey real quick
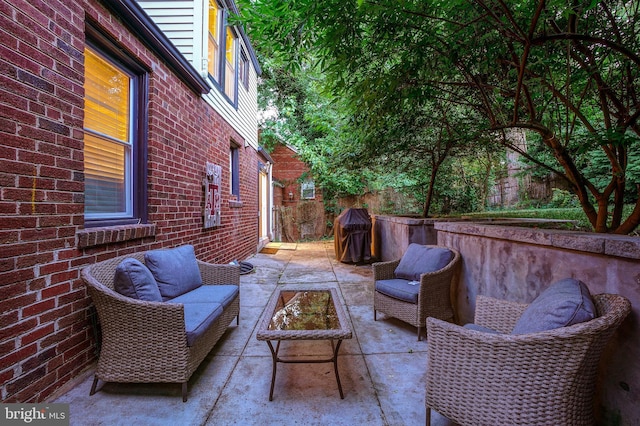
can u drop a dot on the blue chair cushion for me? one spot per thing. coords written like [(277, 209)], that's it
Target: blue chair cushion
[(399, 289), (133, 279), (198, 317), (222, 294), (419, 259), (566, 302), (175, 270)]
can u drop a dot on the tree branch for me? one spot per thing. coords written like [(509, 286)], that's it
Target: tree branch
[(589, 39)]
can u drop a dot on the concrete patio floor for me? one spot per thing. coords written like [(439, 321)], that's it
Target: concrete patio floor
[(382, 368)]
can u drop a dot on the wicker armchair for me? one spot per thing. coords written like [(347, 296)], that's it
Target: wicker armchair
[(434, 297), (146, 342), (544, 378)]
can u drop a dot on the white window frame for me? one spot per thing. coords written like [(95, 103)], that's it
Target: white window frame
[(243, 69), (219, 81), (217, 76), (232, 91), (128, 145), (306, 186)]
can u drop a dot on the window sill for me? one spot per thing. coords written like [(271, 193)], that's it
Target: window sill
[(235, 204), (92, 237)]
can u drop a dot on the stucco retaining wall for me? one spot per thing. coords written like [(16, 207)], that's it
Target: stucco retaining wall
[(517, 263), (393, 234)]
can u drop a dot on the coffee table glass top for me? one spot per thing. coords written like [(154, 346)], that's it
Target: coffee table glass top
[(305, 313), (304, 310)]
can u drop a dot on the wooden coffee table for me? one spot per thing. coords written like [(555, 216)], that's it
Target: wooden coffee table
[(304, 313)]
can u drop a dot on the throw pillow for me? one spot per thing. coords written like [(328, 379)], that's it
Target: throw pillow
[(566, 302), (133, 279), (175, 270), (419, 259)]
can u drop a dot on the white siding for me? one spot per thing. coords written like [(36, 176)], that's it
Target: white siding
[(182, 22), (176, 19), (245, 118), (248, 106)]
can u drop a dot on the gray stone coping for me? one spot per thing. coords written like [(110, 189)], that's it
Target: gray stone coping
[(408, 220), (591, 242)]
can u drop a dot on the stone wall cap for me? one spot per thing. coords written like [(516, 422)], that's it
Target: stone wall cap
[(412, 220), (606, 244)]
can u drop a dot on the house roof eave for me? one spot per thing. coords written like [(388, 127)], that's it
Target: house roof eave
[(137, 20)]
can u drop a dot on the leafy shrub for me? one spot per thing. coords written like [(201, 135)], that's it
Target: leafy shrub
[(563, 199)]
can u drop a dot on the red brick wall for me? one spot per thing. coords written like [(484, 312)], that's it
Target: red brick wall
[(45, 336), (287, 169)]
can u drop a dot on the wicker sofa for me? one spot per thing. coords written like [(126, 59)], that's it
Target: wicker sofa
[(160, 341), (543, 378)]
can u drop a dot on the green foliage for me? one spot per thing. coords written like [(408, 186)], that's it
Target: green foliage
[(575, 215), (562, 199), (593, 161), (415, 82), (303, 114)]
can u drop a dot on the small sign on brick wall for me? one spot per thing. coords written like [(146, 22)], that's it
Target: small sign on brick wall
[(212, 183)]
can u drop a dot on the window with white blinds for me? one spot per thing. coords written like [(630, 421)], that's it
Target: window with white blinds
[(108, 145)]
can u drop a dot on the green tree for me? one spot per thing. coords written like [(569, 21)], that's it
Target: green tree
[(417, 139), (392, 126), (300, 112), (569, 72), (559, 68)]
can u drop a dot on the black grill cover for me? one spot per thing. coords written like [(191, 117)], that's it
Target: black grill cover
[(352, 236)]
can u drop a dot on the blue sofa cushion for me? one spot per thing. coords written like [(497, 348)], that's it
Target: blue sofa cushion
[(419, 259), (399, 289), (198, 317), (175, 270), (566, 302), (133, 279), (222, 294)]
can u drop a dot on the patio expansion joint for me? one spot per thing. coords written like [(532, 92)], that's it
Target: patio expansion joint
[(357, 341), (374, 386), (228, 379)]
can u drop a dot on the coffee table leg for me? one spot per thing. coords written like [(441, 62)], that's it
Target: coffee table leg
[(274, 355), (335, 365)]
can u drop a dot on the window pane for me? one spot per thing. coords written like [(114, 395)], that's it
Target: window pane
[(214, 35), (234, 171), (243, 69), (308, 189), (230, 61), (231, 51), (105, 175), (108, 149), (106, 98), (213, 58)]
